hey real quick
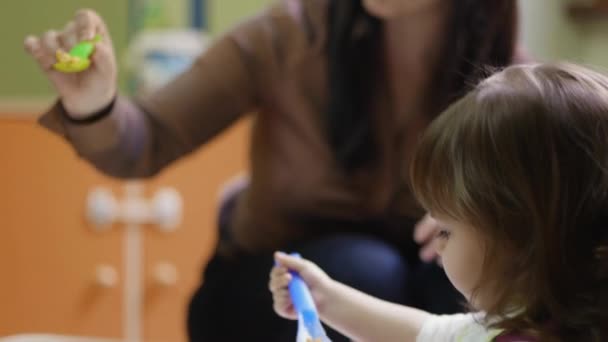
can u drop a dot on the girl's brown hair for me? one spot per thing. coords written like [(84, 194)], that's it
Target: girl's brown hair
[(523, 158)]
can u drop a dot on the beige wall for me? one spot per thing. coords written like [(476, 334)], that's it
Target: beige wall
[(547, 32), (595, 35), (20, 78), (225, 13), (550, 34)]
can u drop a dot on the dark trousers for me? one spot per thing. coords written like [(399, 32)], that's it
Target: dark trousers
[(234, 303)]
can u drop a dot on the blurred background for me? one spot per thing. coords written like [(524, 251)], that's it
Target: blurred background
[(68, 264)]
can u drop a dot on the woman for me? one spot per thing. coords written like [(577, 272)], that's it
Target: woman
[(341, 90)]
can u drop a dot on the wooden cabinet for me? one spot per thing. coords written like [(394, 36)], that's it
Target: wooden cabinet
[(51, 259)]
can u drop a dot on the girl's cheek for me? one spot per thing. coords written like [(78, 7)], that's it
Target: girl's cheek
[(440, 245)]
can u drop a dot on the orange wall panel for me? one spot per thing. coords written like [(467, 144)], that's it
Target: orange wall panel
[(48, 253)]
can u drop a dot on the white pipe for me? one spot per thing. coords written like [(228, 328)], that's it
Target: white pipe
[(132, 301)]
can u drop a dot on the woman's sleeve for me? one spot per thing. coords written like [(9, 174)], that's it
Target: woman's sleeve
[(139, 138)]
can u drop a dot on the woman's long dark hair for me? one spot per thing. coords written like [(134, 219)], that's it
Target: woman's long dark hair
[(480, 33)]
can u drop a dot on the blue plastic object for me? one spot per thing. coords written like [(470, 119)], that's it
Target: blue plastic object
[(305, 307)]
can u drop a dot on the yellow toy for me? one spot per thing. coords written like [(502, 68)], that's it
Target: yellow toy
[(78, 59)]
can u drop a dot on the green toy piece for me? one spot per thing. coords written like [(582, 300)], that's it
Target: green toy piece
[(78, 59)]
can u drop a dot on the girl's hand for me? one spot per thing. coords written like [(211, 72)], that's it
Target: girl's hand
[(318, 282)]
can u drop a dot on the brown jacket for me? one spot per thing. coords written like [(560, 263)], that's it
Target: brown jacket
[(274, 65)]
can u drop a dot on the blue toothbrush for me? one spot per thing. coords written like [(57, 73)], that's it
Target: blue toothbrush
[(309, 324)]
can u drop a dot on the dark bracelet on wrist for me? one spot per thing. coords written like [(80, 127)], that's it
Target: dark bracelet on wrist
[(105, 111)]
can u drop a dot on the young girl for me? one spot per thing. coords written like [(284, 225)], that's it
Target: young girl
[(516, 173)]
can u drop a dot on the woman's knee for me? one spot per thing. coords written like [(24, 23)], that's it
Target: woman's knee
[(369, 264)]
